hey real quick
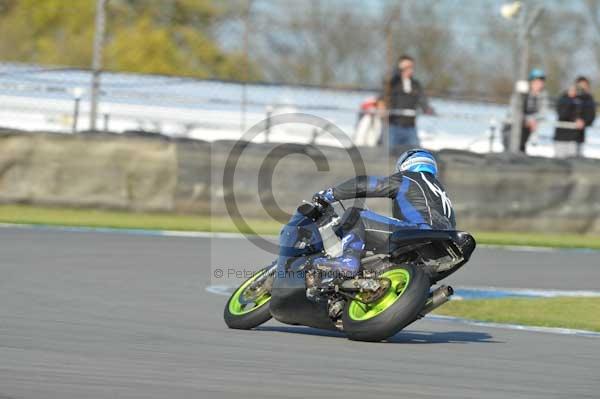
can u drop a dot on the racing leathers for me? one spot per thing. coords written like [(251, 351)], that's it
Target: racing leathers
[(419, 202)]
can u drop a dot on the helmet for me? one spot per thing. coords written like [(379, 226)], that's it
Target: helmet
[(537, 73), (417, 160)]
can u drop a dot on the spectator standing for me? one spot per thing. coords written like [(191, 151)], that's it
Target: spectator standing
[(367, 107), (535, 105), (404, 95), (368, 127), (576, 110)]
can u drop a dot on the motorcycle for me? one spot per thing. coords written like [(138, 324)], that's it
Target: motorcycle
[(392, 289)]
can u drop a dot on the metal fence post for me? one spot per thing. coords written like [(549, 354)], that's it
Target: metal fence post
[(106, 118), (493, 128), (268, 123), (97, 60), (75, 114), (525, 26)]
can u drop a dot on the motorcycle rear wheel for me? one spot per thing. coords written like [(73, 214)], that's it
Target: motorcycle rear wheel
[(398, 307), (244, 316)]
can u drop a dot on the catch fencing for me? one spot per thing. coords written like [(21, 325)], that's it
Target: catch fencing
[(319, 52), (40, 99)]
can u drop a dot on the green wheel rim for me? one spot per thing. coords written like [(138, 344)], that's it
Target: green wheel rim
[(237, 308), (399, 278)]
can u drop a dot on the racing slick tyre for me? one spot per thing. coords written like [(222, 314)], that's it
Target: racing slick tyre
[(248, 306), (396, 309)]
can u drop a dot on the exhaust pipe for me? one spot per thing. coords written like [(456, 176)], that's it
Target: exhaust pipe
[(437, 298)]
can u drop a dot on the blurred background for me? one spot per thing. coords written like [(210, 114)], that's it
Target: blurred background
[(136, 105), (209, 70), (124, 187)]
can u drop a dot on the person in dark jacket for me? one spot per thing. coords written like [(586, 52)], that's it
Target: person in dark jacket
[(403, 95), (419, 202), (576, 110)]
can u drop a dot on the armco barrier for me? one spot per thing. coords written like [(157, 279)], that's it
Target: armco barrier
[(489, 192)]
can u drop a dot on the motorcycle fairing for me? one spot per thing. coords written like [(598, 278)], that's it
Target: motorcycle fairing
[(299, 242), (441, 252)]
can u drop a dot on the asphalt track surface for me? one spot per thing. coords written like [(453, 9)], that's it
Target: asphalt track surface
[(88, 315)]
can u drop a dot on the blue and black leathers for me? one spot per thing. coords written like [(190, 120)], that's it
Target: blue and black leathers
[(348, 263), (419, 202), (418, 197)]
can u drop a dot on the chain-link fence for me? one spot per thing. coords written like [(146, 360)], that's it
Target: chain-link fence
[(210, 70)]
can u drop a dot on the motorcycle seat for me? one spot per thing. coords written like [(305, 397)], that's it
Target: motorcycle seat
[(388, 235)]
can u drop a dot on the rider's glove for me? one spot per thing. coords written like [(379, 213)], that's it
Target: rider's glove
[(324, 196)]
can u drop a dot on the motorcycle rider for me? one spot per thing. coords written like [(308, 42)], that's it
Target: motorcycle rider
[(419, 202)]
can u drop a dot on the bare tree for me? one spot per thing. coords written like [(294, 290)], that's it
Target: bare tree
[(337, 43), (592, 8), (316, 43), (593, 13)]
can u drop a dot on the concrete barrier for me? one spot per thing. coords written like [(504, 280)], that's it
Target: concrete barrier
[(99, 171), (517, 193), (489, 192)]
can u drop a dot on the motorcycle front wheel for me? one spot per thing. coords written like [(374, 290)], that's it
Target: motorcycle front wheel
[(396, 309), (248, 307)]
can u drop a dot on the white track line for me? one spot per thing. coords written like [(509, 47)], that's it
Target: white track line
[(225, 290), (141, 232), (533, 292), (206, 234), (519, 327)]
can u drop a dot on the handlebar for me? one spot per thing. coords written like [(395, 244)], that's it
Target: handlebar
[(317, 210), (321, 202)]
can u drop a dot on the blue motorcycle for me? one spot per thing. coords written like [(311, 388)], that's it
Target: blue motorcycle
[(392, 290)]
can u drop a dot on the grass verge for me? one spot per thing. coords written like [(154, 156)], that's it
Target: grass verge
[(538, 239), (577, 313), (27, 214)]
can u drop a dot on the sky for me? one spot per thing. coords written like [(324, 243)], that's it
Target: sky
[(466, 20)]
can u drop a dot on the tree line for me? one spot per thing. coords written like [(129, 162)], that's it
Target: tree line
[(334, 43)]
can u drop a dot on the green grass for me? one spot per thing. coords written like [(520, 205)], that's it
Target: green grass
[(538, 239), (27, 214), (577, 313)]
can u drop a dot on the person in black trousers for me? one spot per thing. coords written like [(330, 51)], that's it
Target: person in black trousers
[(576, 110)]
